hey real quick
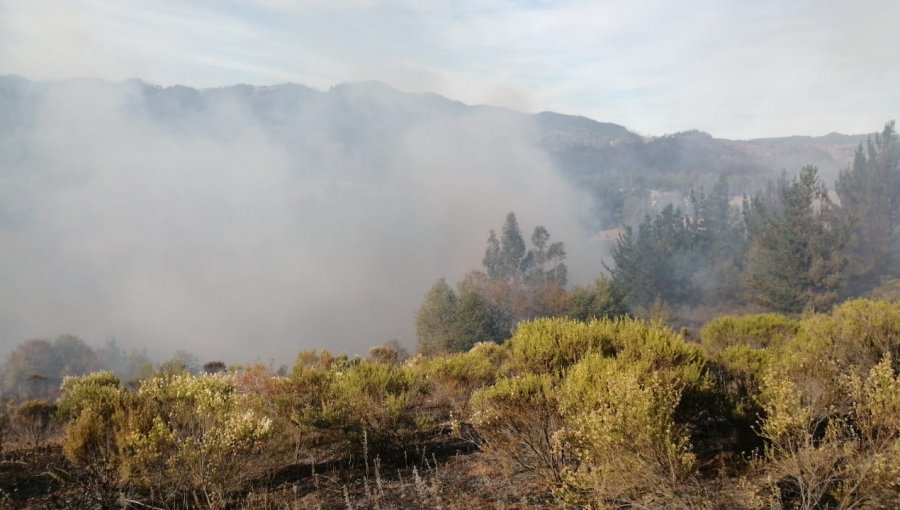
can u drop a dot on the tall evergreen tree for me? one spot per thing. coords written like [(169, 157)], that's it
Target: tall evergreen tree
[(720, 244), (512, 249), (436, 319), (658, 262), (795, 259), (869, 194)]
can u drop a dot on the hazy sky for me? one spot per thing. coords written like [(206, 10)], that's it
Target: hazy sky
[(734, 68)]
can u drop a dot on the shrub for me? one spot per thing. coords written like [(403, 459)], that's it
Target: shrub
[(550, 346), (622, 431), (4, 431), (376, 403), (98, 390), (601, 300), (391, 353), (456, 376), (90, 406), (32, 419), (851, 340), (757, 331), (187, 433), (518, 417), (835, 460)]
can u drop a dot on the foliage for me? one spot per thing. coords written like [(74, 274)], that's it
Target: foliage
[(581, 398), (477, 320), (869, 193), (4, 430), (852, 339), (35, 368), (518, 418), (835, 461), (677, 257), (622, 431), (506, 258), (32, 420), (766, 412), (551, 346), (657, 261), (191, 433), (829, 400), (214, 367), (795, 260), (178, 435), (436, 319), (375, 404), (600, 300), (91, 406), (447, 322), (757, 331), (458, 375)]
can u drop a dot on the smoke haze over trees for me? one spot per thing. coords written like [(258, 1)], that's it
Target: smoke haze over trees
[(248, 222)]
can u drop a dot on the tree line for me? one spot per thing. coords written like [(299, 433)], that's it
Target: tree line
[(794, 246)]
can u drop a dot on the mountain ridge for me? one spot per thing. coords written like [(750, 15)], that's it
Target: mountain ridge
[(381, 87)]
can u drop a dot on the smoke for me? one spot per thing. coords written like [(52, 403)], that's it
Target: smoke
[(210, 223)]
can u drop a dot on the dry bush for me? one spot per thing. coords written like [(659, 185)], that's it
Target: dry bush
[(455, 377), (90, 406), (835, 460), (550, 346), (32, 420), (344, 403), (5, 429), (518, 418), (600, 411)]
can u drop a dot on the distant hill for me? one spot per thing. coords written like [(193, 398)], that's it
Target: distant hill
[(354, 129), (362, 115)]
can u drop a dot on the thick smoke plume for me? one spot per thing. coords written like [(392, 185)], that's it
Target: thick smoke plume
[(177, 219)]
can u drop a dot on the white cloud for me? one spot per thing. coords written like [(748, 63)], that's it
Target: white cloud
[(733, 68)]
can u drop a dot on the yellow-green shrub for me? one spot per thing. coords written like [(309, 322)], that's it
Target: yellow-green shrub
[(851, 340), (550, 346), (622, 431), (454, 377), (877, 419), (90, 406), (739, 375), (376, 402), (99, 390), (187, 433), (596, 401), (757, 331), (850, 459)]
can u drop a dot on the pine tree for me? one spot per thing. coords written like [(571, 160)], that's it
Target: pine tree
[(436, 319), (795, 260), (658, 262), (869, 194)]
